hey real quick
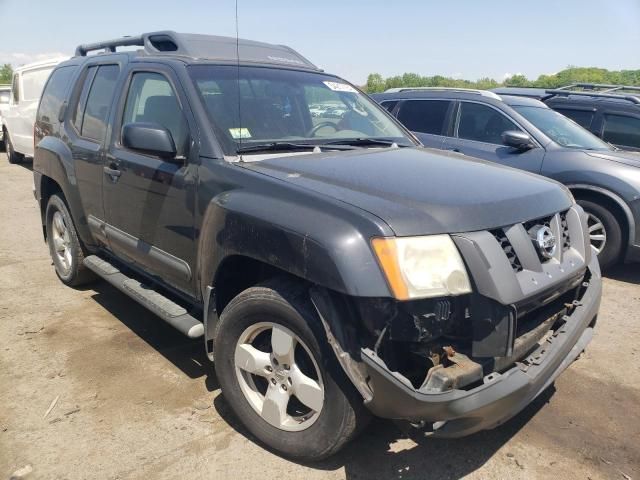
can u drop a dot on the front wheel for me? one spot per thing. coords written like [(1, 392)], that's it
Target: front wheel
[(279, 375), (605, 233)]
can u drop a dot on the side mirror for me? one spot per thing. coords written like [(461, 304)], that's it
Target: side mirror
[(149, 138), (518, 140)]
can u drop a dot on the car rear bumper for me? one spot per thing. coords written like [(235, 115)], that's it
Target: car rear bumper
[(457, 413)]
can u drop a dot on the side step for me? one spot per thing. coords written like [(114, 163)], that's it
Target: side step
[(169, 311)]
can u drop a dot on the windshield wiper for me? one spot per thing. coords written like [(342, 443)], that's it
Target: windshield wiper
[(361, 142), (277, 146)]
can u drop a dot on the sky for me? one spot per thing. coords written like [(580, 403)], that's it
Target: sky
[(458, 38)]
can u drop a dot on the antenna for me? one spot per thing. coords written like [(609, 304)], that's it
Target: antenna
[(240, 131)]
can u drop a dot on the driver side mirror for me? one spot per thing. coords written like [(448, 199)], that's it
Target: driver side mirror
[(150, 138), (519, 140)]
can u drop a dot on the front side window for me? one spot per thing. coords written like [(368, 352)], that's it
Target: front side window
[(581, 117), (33, 82), (96, 110), (560, 129), (424, 116), (483, 124), (252, 106), (151, 99), (622, 130), (389, 105), (4, 97)]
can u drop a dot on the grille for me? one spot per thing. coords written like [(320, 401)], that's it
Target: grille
[(546, 221), (508, 249), (564, 227)]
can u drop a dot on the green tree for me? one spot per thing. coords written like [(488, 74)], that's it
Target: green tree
[(375, 83), (517, 81), (6, 73)]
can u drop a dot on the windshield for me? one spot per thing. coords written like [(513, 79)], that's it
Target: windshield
[(560, 129), (278, 105)]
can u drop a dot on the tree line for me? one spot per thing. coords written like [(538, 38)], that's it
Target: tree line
[(377, 83), (6, 73)]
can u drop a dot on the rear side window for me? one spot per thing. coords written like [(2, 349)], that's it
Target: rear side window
[(33, 82), (581, 117), (92, 123), (424, 116), (54, 94), (390, 105), (622, 130), (483, 124), (152, 99)]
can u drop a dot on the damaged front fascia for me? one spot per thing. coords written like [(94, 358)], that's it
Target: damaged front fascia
[(329, 316)]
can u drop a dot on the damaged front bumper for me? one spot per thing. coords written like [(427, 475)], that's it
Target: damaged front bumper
[(457, 412)]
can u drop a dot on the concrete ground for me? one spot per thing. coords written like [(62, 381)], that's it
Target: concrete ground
[(94, 386)]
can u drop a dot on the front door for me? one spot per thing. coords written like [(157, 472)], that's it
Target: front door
[(478, 133), (148, 200)]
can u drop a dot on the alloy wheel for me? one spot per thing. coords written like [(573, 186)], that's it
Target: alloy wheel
[(61, 240), (597, 232), (279, 376)]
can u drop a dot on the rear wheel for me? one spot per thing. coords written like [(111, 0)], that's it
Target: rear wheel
[(279, 375), (605, 232), (64, 244), (12, 155)]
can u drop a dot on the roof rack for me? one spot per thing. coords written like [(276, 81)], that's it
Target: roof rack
[(601, 90), (484, 93), (208, 47)]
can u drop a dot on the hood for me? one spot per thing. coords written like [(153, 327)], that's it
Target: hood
[(628, 158), (421, 191)]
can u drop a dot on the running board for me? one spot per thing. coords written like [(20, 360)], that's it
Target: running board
[(166, 309)]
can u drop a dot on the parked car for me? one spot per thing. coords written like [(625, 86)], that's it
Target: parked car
[(5, 92), (524, 133), (20, 114), (611, 112), (331, 268)]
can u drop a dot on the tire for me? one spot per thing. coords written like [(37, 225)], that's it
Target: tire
[(12, 155), (64, 245), (602, 222), (285, 305)]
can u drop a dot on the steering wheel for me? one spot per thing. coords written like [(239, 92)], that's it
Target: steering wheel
[(313, 130)]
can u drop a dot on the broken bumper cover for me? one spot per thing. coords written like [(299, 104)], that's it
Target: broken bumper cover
[(456, 413)]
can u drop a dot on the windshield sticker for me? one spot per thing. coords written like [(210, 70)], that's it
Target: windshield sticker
[(340, 87), (238, 133)]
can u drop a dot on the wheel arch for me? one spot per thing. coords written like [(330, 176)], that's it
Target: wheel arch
[(615, 203)]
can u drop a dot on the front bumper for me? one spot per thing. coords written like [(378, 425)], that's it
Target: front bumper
[(457, 413)]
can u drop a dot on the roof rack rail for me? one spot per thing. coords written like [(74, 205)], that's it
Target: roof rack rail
[(484, 93), (109, 45), (208, 47), (601, 90)]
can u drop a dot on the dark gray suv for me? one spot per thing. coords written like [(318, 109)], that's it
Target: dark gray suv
[(525, 133)]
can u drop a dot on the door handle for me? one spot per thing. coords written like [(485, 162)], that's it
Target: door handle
[(113, 173)]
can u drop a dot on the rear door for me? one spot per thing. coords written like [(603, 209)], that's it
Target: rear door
[(477, 132), (428, 119), (87, 126), (150, 201), (30, 84)]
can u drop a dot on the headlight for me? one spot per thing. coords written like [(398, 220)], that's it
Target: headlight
[(421, 267)]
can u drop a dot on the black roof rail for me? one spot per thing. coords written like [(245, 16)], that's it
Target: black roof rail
[(109, 45), (601, 90), (210, 47)]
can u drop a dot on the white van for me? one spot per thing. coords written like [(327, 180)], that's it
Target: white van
[(19, 116), (5, 93)]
